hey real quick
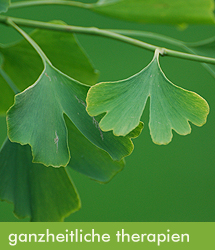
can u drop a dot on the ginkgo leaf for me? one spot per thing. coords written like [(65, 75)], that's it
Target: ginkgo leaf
[(36, 118), (38, 192), (4, 4), (171, 107), (23, 65), (89, 159), (158, 11)]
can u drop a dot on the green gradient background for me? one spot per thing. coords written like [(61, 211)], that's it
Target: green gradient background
[(159, 183)]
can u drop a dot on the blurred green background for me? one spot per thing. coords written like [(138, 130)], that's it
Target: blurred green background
[(159, 183)]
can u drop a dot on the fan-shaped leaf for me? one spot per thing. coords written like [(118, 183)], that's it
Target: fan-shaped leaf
[(158, 11), (4, 4), (36, 118), (22, 63), (171, 107), (38, 192)]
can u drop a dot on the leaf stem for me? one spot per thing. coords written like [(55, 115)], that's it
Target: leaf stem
[(49, 2), (44, 58), (97, 32)]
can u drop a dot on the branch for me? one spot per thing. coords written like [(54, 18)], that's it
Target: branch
[(105, 33), (49, 2)]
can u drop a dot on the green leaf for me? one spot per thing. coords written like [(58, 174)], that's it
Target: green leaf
[(158, 11), (4, 4), (90, 160), (38, 192), (36, 118), (171, 107), (23, 65)]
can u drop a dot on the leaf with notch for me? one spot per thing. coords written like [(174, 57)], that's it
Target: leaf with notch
[(158, 11), (22, 63), (38, 192), (171, 107)]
